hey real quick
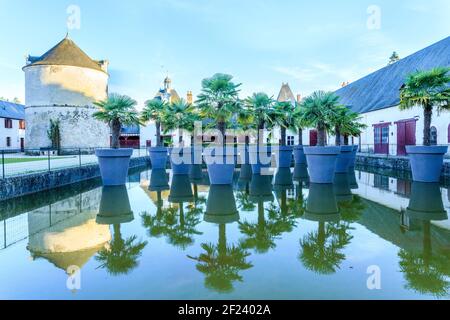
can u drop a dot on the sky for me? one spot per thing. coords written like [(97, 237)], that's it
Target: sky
[(312, 45)]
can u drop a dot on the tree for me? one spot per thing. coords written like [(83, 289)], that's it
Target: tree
[(117, 110), (394, 58), (245, 120), (427, 89), (54, 135), (346, 123), (282, 116), (261, 106), (179, 115), (319, 109), (154, 110), (218, 100), (299, 121)]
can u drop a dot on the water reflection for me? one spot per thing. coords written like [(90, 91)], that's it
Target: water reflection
[(121, 256), (222, 263), (426, 271)]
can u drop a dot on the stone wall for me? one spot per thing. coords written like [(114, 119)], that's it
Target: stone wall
[(393, 163), (27, 184)]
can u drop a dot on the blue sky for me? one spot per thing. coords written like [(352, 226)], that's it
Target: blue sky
[(309, 44)]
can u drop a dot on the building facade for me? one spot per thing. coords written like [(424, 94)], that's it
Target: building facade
[(12, 126), (62, 85), (376, 98)]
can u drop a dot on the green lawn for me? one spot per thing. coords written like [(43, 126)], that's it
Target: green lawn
[(18, 160)]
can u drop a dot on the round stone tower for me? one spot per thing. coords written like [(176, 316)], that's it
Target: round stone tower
[(62, 85)]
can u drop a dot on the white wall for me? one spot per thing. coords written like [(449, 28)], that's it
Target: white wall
[(15, 133)]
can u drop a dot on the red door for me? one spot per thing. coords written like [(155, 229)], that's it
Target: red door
[(381, 138), (406, 135), (313, 138)]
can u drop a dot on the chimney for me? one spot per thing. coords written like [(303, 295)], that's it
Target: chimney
[(189, 97), (299, 98)]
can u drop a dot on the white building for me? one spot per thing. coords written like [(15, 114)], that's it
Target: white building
[(12, 126), (62, 84), (377, 96)]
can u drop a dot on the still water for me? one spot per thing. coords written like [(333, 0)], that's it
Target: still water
[(368, 236)]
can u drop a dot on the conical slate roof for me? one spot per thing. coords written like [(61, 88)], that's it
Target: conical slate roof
[(65, 53), (285, 94)]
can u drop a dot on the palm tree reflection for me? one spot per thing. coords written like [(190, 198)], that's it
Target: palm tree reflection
[(222, 263)]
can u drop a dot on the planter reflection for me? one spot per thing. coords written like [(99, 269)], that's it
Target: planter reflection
[(122, 254)]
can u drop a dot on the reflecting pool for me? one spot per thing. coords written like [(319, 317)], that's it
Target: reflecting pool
[(367, 236)]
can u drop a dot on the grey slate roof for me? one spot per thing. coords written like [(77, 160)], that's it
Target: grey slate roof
[(286, 94), (12, 110), (65, 53), (380, 89)]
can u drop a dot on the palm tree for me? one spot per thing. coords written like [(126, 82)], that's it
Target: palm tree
[(245, 120), (218, 100), (261, 106), (299, 121), (179, 115), (427, 89), (122, 255), (154, 110), (117, 110), (318, 111), (283, 116), (346, 123)]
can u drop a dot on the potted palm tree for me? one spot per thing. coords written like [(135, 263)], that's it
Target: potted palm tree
[(345, 123), (427, 89), (261, 106), (154, 111), (218, 102), (116, 110), (245, 121), (283, 117), (321, 159), (179, 115), (298, 119)]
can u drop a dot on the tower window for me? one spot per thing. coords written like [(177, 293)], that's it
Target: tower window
[(22, 124), (8, 141), (8, 123)]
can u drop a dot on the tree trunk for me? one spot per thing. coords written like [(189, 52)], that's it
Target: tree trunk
[(321, 135), (337, 132), (283, 136), (260, 131), (427, 114), (180, 138), (300, 137), (115, 134), (346, 140), (247, 140), (221, 128), (158, 134)]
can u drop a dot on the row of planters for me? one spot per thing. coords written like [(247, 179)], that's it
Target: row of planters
[(218, 106)]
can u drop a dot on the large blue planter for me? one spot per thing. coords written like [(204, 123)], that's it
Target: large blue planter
[(180, 160), (352, 179), (245, 173), (425, 202), (283, 156), (158, 157), (221, 205), (321, 204), (344, 159), (321, 163), (283, 177), (260, 158), (299, 155), (180, 189), (114, 206), (114, 164), (426, 162), (220, 167), (353, 160), (300, 172), (196, 173)]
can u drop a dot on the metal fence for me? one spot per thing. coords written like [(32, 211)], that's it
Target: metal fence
[(388, 150), (20, 162)]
